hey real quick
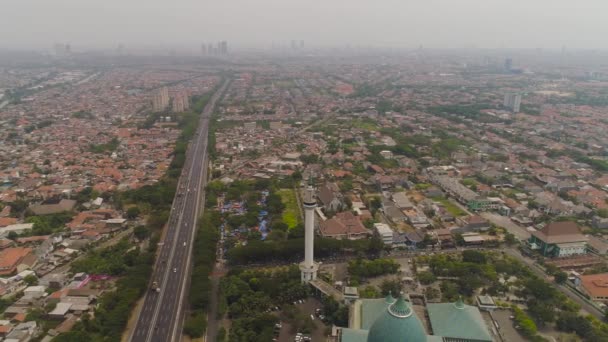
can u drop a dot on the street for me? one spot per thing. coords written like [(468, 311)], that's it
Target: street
[(161, 316)]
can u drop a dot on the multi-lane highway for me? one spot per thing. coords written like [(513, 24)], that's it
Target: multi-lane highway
[(162, 313)]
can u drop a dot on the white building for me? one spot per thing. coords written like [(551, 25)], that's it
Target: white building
[(513, 101), (34, 291), (385, 232)]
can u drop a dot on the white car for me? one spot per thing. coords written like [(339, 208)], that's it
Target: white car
[(184, 243), (174, 270)]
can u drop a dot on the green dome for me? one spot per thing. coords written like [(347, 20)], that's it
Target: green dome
[(397, 324)]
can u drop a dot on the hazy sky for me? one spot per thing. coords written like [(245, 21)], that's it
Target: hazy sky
[(407, 23)]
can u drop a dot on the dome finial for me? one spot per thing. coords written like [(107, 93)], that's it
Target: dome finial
[(459, 303), (400, 308), (389, 299)]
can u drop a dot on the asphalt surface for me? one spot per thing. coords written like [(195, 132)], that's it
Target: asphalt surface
[(162, 313)]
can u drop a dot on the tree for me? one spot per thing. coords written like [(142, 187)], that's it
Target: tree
[(133, 212), (510, 239), (279, 225), (376, 245), (221, 335), (426, 278), (431, 293), (474, 256), (541, 312), (12, 235), (561, 277), (276, 235), (392, 286), (195, 326), (31, 280), (369, 292), (141, 232), (526, 324)]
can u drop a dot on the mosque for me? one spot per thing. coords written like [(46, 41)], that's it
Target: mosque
[(394, 320)]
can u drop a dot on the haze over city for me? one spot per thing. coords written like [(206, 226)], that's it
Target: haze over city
[(383, 23), (298, 171)]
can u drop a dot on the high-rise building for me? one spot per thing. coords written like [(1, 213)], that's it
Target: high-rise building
[(293, 45), (180, 102), (203, 49), (222, 47), (160, 100), (62, 49), (508, 64), (301, 44), (513, 101), (309, 267), (250, 126)]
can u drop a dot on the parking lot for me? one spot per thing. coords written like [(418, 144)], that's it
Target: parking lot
[(307, 308), (505, 326)]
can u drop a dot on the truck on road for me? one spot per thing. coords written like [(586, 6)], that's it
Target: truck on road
[(155, 286)]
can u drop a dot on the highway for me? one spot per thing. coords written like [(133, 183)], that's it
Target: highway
[(162, 314)]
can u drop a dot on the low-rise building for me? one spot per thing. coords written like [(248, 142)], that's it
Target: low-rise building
[(594, 285), (599, 222), (16, 259), (559, 239), (385, 232), (343, 225)]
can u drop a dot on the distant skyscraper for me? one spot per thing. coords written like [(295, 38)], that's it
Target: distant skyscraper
[(223, 47), (301, 44), (160, 100), (508, 64), (513, 101), (293, 45), (203, 49), (62, 49)]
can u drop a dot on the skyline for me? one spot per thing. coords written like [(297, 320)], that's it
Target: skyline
[(386, 24)]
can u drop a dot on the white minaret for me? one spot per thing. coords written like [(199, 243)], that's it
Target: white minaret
[(308, 267)]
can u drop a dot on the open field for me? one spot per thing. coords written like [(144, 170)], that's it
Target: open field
[(291, 214), (450, 207)]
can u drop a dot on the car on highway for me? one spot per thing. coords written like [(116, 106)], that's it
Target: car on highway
[(184, 243), (174, 270)]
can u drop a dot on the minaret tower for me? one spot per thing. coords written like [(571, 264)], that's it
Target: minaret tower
[(309, 267)]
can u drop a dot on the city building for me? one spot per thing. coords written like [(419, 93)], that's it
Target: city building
[(181, 102), (16, 259), (160, 100), (385, 232), (559, 239), (512, 101), (222, 47), (508, 64), (594, 285), (390, 319), (309, 267), (250, 126), (344, 225)]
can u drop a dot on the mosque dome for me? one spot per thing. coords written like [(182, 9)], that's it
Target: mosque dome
[(398, 323)]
